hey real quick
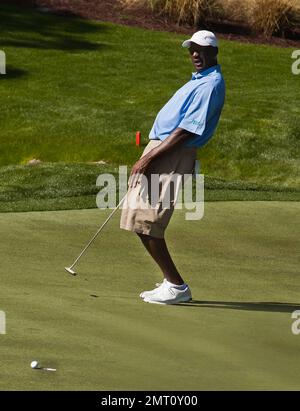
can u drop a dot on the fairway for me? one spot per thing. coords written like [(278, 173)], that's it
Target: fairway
[(240, 261)]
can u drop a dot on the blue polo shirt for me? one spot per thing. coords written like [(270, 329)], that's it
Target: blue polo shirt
[(195, 107)]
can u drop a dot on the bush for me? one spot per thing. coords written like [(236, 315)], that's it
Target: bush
[(274, 16), (182, 11), (236, 10), (191, 11), (265, 16)]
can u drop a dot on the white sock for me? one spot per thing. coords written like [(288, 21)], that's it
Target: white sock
[(179, 287)]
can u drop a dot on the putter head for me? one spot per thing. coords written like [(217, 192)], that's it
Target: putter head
[(70, 271)]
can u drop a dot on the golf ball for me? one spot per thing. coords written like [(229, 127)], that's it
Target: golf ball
[(34, 364)]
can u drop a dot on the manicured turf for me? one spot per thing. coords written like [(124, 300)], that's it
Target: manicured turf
[(240, 260), (76, 91)]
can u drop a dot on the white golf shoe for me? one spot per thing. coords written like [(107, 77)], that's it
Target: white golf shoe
[(166, 294), (158, 285)]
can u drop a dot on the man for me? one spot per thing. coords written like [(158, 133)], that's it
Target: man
[(185, 123)]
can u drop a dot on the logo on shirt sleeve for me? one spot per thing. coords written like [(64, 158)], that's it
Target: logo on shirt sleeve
[(197, 123)]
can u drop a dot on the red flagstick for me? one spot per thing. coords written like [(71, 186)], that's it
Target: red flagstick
[(138, 138)]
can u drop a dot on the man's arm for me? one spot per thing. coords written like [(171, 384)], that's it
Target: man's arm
[(175, 139)]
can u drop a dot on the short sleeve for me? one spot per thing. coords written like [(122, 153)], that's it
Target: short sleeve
[(197, 114)]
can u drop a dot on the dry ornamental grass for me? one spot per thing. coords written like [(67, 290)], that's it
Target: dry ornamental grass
[(263, 16), (275, 16)]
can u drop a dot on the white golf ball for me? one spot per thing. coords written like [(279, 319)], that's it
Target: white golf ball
[(34, 364)]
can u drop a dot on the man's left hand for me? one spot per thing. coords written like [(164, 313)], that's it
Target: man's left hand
[(139, 168)]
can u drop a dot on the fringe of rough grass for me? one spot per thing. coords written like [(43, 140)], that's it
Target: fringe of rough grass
[(61, 186)]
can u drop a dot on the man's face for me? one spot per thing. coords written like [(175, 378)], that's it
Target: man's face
[(202, 56)]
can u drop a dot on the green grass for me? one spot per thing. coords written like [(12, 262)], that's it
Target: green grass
[(61, 186), (77, 90), (240, 261)]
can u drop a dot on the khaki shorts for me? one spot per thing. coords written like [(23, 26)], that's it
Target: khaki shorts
[(138, 213)]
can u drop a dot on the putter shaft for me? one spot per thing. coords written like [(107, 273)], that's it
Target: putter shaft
[(70, 269)]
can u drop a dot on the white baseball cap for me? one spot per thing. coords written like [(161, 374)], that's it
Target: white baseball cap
[(203, 38)]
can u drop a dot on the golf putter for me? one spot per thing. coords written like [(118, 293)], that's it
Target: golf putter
[(70, 269)]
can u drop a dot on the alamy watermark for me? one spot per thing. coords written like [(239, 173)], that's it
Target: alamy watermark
[(296, 323), (155, 191), (2, 322), (2, 62), (296, 63)]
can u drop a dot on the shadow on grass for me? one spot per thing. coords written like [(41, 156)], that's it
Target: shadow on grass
[(66, 44), (13, 73), (32, 29), (247, 306)]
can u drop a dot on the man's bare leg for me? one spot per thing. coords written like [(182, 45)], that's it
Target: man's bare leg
[(158, 250)]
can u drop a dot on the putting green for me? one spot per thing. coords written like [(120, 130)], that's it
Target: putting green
[(241, 263)]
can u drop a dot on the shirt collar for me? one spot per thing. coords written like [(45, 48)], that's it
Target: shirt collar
[(206, 72)]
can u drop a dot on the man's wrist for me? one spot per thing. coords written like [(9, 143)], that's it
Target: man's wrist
[(151, 155)]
